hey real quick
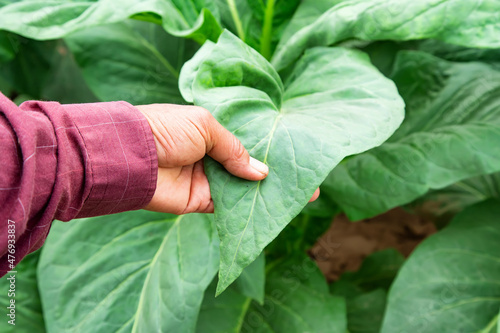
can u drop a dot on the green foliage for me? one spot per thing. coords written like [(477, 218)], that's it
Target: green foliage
[(454, 21), (316, 89), (452, 110), (451, 200), (130, 272), (299, 236), (365, 290), (378, 271), (145, 70), (28, 308), (251, 282), (296, 301), (259, 23), (288, 126), (57, 75), (7, 52), (195, 19), (451, 278), (366, 311)]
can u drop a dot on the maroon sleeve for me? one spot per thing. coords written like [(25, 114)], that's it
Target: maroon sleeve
[(68, 161)]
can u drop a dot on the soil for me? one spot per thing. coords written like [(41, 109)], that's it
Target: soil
[(345, 244)]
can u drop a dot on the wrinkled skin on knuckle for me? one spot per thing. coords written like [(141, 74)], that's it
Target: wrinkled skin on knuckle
[(204, 121), (239, 153), (184, 136)]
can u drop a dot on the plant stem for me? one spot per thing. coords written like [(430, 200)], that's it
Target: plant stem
[(236, 19), (267, 30)]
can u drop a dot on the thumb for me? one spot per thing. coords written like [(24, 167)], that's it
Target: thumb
[(225, 148)]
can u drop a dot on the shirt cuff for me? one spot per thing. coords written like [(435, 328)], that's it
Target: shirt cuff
[(121, 160)]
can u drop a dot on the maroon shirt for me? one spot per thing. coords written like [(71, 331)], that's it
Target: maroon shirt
[(68, 161)]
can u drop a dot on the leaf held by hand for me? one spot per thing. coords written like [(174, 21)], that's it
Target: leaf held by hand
[(334, 104)]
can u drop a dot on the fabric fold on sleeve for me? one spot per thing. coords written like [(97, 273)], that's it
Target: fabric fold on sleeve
[(69, 161), (121, 159)]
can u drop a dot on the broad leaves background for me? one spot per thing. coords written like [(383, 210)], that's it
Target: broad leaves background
[(459, 22), (130, 272), (259, 23), (454, 198), (365, 290), (57, 75), (452, 110), (296, 300), (451, 278), (334, 104), (49, 20), (7, 52), (145, 272), (28, 308), (251, 282), (144, 71)]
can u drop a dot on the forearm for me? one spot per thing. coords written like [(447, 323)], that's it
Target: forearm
[(68, 161)]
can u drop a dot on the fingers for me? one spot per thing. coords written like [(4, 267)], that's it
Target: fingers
[(209, 209), (315, 195), (200, 200), (225, 148)]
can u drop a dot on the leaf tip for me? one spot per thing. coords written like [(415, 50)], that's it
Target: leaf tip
[(220, 289)]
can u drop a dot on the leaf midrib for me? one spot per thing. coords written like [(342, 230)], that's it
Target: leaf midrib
[(271, 136), (153, 262), (109, 244)]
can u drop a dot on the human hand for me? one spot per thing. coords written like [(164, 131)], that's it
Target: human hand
[(183, 135)]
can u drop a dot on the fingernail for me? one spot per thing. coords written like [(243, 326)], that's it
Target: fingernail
[(259, 166)]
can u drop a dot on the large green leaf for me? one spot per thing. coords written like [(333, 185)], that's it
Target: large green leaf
[(45, 70), (33, 59), (459, 53), (7, 52), (366, 312), (451, 132), (471, 23), (383, 54), (28, 308), (227, 312), (252, 280), (7, 2), (365, 290), (194, 19), (134, 61), (454, 198), (451, 282), (334, 104), (135, 271), (307, 12), (65, 82), (296, 301), (5, 87), (224, 314)]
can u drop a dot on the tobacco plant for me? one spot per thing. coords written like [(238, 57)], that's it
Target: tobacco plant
[(381, 103)]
